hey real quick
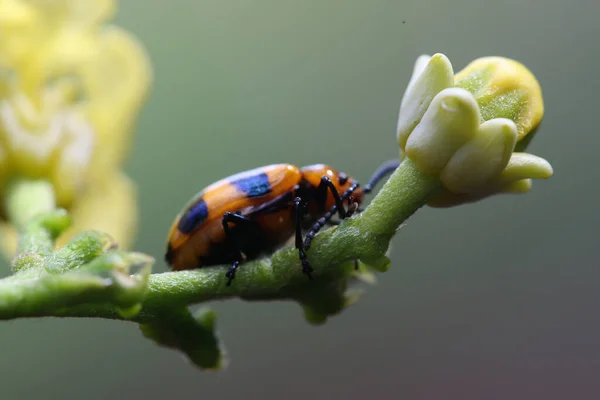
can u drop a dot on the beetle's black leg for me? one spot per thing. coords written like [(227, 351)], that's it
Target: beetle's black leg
[(300, 211), (230, 274), (323, 187), (352, 208), (327, 217), (234, 218)]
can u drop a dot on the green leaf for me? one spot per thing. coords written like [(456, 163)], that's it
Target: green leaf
[(193, 334), (80, 250)]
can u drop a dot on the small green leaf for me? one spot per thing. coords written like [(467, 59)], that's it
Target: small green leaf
[(381, 264), (28, 262), (129, 312), (323, 297), (194, 335), (125, 276), (82, 249), (312, 316)]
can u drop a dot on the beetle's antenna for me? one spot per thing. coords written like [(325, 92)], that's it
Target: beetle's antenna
[(384, 169)]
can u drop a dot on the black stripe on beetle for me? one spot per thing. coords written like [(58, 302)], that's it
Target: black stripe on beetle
[(253, 186), (193, 217)]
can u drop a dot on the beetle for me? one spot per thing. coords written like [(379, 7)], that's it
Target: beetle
[(249, 214)]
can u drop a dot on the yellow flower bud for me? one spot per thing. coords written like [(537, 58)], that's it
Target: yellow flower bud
[(450, 121), (489, 150), (504, 88), (523, 166), (431, 75), (466, 128)]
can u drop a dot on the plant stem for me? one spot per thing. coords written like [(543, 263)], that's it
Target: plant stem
[(27, 198), (365, 236), (407, 190)]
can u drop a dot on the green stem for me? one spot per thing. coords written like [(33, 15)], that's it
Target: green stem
[(43, 296), (407, 190), (27, 198), (89, 278), (365, 236)]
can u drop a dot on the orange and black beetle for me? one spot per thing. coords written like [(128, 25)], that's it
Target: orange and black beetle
[(252, 213)]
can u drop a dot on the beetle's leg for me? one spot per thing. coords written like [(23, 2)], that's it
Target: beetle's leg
[(323, 187), (326, 218), (300, 209), (328, 215), (352, 208), (237, 219), (230, 274)]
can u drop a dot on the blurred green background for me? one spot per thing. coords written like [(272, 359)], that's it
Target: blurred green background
[(488, 301)]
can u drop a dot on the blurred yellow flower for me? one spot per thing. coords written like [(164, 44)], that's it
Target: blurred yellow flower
[(70, 91)]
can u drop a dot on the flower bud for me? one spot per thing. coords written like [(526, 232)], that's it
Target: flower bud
[(481, 159), (450, 121), (466, 128), (504, 88), (431, 75)]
